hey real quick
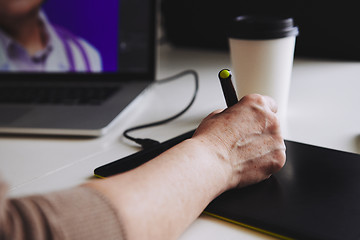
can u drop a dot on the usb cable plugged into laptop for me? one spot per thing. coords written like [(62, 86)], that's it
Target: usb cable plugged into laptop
[(147, 142)]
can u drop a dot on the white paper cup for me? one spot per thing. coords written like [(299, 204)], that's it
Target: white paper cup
[(262, 53)]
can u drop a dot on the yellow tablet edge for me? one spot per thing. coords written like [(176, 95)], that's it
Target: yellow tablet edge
[(248, 226)]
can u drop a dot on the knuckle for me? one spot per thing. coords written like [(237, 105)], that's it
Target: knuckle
[(278, 141), (280, 158), (277, 158), (254, 98), (277, 161), (273, 122)]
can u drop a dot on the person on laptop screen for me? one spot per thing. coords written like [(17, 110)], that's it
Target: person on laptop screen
[(29, 42)]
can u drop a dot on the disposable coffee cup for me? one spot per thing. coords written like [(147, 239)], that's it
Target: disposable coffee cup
[(262, 53)]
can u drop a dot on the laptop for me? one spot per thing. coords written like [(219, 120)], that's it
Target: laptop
[(102, 57)]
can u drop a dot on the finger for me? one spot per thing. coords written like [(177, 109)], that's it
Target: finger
[(271, 103), (257, 146), (262, 167), (214, 113), (217, 112), (260, 100)]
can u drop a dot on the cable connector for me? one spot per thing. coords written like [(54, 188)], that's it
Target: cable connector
[(146, 142)]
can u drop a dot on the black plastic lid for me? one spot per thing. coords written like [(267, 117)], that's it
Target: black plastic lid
[(262, 27)]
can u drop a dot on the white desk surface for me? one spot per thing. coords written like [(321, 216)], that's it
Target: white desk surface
[(323, 110)]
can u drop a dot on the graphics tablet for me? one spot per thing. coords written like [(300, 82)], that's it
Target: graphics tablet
[(315, 196)]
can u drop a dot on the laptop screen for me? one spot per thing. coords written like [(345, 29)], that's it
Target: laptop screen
[(82, 36)]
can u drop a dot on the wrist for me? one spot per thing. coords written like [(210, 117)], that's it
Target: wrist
[(218, 160)]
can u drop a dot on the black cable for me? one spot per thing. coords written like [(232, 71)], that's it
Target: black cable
[(146, 142)]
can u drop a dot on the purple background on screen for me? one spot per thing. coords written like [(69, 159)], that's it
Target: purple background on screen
[(94, 20)]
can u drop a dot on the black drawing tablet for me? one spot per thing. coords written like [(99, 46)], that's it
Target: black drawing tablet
[(315, 196)]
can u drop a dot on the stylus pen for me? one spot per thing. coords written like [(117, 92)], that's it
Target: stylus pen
[(227, 87)]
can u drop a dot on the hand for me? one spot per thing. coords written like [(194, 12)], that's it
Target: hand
[(246, 138)]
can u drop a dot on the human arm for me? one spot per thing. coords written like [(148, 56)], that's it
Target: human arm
[(76, 213), (237, 147), (158, 200)]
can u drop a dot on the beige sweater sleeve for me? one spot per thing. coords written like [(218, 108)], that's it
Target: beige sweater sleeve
[(78, 213)]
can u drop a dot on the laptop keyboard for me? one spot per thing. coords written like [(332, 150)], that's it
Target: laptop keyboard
[(56, 95)]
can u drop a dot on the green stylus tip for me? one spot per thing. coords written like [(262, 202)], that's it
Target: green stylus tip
[(225, 73)]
